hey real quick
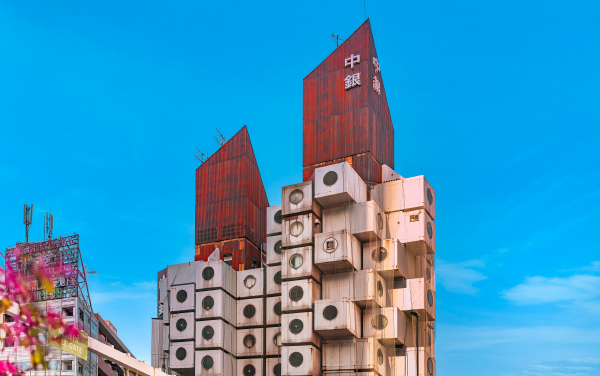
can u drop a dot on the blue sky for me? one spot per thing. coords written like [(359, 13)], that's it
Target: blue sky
[(103, 104)]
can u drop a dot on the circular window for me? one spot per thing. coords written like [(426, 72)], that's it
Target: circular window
[(181, 325), (278, 247), (296, 293), (428, 274), (379, 289), (277, 278), (277, 217), (208, 302), (296, 359), (180, 353), (296, 196), (379, 254), (330, 312), (428, 339), (249, 370), (277, 339), (249, 311), (181, 296), (379, 322), (430, 366), (208, 273), (430, 297), (429, 230), (379, 221), (379, 356), (296, 261), (250, 281), (207, 362), (296, 326), (208, 332), (249, 341), (277, 369), (330, 245), (429, 196), (330, 178), (296, 229), (277, 308)]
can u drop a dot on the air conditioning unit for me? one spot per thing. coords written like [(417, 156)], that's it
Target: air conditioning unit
[(366, 354), (216, 334), (215, 363), (182, 298), (274, 217), (181, 274), (299, 230), (273, 340), (216, 304), (274, 366), (181, 355), (408, 362), (274, 279), (364, 287), (216, 275), (415, 229), (250, 283), (364, 220), (388, 325), (337, 318), (274, 310), (298, 263), (337, 251), (274, 250), (249, 312), (182, 326), (250, 342), (299, 199), (299, 295), (297, 328), (300, 361), (388, 257), (249, 367), (415, 296), (338, 184)]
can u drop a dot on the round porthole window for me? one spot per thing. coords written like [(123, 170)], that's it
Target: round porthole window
[(379, 221), (379, 254), (429, 230), (330, 178), (330, 245), (296, 359), (379, 356), (249, 370), (250, 281), (181, 325), (277, 278), (249, 341), (180, 353), (277, 308), (296, 326), (277, 339), (430, 297), (296, 293), (207, 362), (379, 322), (430, 366), (208, 332), (330, 312), (296, 196), (181, 296), (296, 229), (208, 302), (277, 370), (428, 274), (429, 196), (277, 217), (296, 261), (278, 247), (208, 273), (379, 289), (249, 311)]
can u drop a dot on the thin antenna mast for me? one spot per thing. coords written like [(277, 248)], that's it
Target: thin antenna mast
[(337, 39), (219, 138), (49, 225), (27, 214), (201, 156)]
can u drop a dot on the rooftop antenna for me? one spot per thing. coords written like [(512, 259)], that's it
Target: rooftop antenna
[(337, 39), (48, 225), (27, 213), (200, 156), (220, 138)]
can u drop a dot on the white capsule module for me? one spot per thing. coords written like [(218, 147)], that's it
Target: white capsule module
[(165, 310), (405, 194), (364, 287), (274, 366), (415, 229), (298, 263), (298, 328), (408, 361), (274, 249), (182, 298), (166, 342), (300, 361), (299, 295), (216, 334), (427, 331), (249, 367), (251, 283), (250, 312), (388, 257), (421, 266), (274, 217), (273, 340), (388, 174), (181, 274), (337, 318), (182, 326), (216, 275), (299, 230), (274, 310), (250, 342), (415, 295), (338, 184), (181, 355), (355, 354), (337, 251), (388, 325), (364, 220), (216, 304), (299, 199), (215, 363), (274, 279)]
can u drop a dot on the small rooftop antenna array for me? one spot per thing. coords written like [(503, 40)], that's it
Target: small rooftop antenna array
[(220, 138), (48, 225), (337, 39), (27, 214), (201, 156)]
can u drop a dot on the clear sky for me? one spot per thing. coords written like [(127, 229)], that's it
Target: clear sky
[(102, 105)]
